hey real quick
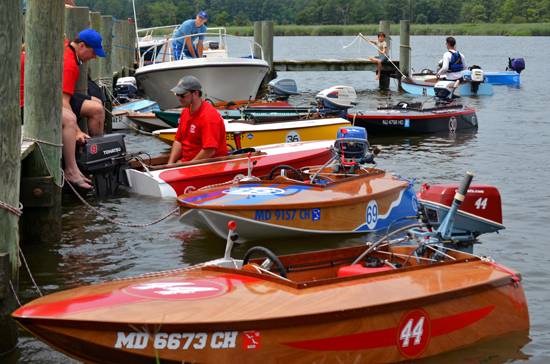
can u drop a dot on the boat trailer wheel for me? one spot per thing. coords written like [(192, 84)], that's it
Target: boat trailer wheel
[(299, 174), (266, 253)]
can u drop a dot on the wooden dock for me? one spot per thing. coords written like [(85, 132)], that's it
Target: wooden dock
[(353, 64), (26, 148)]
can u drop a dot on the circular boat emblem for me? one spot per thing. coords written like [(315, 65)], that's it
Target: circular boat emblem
[(189, 189), (371, 214), (177, 289), (453, 124), (292, 137), (249, 136), (255, 191), (413, 333)]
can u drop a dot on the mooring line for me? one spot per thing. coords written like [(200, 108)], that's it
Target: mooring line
[(114, 221), (29, 272)]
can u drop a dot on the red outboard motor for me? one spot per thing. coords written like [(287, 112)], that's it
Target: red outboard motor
[(480, 212)]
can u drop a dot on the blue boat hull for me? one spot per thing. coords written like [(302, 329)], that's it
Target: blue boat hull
[(465, 89), (509, 78)]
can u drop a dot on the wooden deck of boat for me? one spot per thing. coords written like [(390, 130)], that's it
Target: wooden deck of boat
[(353, 64)]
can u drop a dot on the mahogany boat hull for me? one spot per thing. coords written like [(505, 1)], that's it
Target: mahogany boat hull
[(359, 205), (244, 318)]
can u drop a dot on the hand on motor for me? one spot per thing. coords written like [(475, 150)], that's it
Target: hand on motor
[(81, 137)]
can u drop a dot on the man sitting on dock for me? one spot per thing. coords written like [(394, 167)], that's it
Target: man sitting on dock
[(187, 28), (84, 48), (201, 130), (382, 47), (453, 62)]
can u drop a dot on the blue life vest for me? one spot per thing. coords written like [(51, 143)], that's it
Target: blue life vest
[(455, 64)]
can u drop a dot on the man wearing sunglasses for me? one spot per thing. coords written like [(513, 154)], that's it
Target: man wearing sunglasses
[(201, 131)]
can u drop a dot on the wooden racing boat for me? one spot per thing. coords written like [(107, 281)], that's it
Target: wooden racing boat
[(155, 178), (416, 118), (391, 300), (244, 134)]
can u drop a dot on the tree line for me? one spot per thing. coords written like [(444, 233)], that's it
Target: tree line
[(338, 12)]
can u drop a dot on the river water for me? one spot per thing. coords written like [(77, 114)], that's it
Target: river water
[(510, 150)]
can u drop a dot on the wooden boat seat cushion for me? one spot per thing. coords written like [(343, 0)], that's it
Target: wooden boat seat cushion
[(356, 269)]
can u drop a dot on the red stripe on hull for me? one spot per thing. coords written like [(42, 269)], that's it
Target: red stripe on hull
[(389, 337)]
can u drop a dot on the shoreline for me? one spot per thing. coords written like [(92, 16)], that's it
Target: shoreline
[(488, 29)]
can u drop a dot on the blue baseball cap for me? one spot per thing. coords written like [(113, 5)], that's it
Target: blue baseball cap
[(93, 40), (203, 14)]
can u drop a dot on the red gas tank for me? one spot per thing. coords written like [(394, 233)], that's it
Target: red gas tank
[(482, 203)]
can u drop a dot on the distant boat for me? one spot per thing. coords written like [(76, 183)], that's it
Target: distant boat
[(416, 118), (509, 78), (120, 112), (424, 85), (223, 77)]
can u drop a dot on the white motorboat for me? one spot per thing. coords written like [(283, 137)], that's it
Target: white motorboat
[(223, 77)]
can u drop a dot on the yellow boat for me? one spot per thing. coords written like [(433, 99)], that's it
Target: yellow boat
[(247, 133)]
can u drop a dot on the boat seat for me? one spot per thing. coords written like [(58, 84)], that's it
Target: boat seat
[(356, 269)]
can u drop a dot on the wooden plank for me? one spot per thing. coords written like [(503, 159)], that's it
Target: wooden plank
[(353, 64), (26, 148)]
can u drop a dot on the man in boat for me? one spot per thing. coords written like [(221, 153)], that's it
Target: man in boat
[(382, 46), (201, 131), (187, 28), (453, 62)]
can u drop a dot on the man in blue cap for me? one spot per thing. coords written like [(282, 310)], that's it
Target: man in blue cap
[(85, 47), (188, 28)]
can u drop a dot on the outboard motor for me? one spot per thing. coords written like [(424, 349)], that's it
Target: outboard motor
[(282, 89), (104, 158), (479, 213), (477, 76), (516, 64), (337, 98), (444, 90), (125, 89), (353, 147)]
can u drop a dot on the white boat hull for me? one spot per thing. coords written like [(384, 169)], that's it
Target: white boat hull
[(222, 79)]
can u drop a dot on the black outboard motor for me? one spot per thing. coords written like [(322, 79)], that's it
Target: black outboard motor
[(516, 64), (104, 158), (282, 89), (125, 89)]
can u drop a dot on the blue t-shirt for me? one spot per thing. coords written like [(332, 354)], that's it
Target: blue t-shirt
[(187, 28)]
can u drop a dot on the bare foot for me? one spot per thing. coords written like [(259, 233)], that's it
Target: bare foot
[(377, 77)]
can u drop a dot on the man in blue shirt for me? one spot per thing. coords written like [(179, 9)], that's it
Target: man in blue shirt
[(189, 27)]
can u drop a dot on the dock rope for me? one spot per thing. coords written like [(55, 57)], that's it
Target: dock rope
[(29, 272), (114, 221), (17, 211), (14, 293)]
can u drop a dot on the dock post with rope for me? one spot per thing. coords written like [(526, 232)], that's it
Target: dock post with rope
[(405, 47), (10, 144), (105, 69), (41, 170)]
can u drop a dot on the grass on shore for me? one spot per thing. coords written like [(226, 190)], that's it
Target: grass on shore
[(530, 29)]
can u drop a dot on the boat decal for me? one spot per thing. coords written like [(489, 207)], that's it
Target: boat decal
[(312, 214), (176, 340), (177, 289), (252, 340), (293, 137), (415, 328), (406, 204)]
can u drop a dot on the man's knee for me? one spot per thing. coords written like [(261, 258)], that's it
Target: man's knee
[(68, 118), (93, 108)]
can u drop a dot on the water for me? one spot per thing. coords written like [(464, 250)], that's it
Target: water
[(510, 150)]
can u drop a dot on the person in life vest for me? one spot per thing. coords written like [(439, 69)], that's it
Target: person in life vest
[(201, 130), (453, 62)]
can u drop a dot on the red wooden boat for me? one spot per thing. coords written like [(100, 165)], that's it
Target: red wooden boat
[(392, 300), (160, 180)]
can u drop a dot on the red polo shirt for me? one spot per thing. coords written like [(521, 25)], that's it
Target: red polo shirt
[(70, 69), (201, 129)]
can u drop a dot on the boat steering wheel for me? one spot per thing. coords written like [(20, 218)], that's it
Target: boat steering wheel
[(267, 253), (299, 174)]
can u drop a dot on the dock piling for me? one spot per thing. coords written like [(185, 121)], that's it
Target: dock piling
[(257, 39), (41, 170), (105, 70), (267, 44), (95, 19), (384, 82), (405, 47), (10, 149)]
